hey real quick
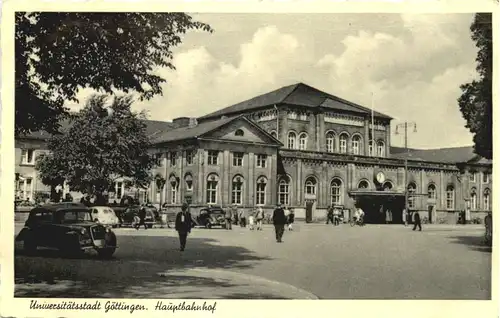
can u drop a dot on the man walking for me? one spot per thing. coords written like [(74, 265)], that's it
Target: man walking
[(142, 218), (183, 223), (229, 218), (417, 222), (259, 216), (329, 215), (279, 221)]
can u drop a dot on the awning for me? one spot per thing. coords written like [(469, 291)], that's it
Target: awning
[(376, 193)]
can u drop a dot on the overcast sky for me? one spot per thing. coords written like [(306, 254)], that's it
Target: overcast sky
[(414, 65)]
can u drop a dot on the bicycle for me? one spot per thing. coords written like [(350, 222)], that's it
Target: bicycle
[(355, 221)]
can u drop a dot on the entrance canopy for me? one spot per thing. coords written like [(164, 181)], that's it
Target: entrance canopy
[(377, 193)]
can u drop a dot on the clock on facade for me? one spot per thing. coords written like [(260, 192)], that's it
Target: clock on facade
[(380, 177)]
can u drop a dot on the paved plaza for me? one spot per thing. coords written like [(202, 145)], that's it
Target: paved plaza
[(315, 261)]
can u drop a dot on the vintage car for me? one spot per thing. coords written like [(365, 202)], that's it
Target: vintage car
[(210, 217), (130, 217), (68, 227), (104, 215)]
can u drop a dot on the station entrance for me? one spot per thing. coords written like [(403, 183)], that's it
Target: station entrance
[(381, 207)]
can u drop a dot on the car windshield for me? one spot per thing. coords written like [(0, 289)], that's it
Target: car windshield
[(73, 216)]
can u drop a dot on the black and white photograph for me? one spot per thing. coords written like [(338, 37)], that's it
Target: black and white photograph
[(272, 155)]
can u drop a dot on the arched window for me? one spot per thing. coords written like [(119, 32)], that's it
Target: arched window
[(284, 191), (473, 199), (486, 199), (381, 148), (174, 188), (188, 178), (356, 144), (431, 191), (336, 192), (450, 197), (370, 148), (303, 141), (261, 191), (387, 186), (412, 188), (292, 139), (274, 134), (237, 190), (330, 142), (311, 186), (363, 184), (239, 132), (343, 143), (212, 188)]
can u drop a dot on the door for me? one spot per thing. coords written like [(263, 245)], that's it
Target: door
[(430, 213), (309, 211)]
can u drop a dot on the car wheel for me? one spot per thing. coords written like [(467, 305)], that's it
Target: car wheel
[(106, 252), (30, 246)]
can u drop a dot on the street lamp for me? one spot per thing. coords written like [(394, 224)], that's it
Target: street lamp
[(405, 126)]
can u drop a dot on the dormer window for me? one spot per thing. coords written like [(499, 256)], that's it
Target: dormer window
[(239, 133)]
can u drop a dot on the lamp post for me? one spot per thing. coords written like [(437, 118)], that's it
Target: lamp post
[(405, 126)]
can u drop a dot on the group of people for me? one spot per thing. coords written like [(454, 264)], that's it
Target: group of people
[(334, 215), (254, 218)]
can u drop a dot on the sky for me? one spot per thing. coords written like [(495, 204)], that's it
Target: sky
[(413, 63)]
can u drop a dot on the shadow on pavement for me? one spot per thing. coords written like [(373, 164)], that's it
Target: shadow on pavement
[(133, 271), (475, 243)]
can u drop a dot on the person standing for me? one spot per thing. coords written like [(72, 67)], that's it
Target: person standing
[(243, 218), (229, 217), (405, 217), (291, 219), (336, 216), (417, 222), (488, 225), (142, 218), (259, 216), (183, 223), (329, 215), (279, 221)]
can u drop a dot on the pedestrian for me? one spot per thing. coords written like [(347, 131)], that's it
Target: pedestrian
[(417, 222), (388, 216), (229, 218), (488, 225), (259, 216), (142, 218), (336, 216), (329, 215), (234, 214), (251, 221), (243, 218), (405, 217), (183, 223), (291, 219), (279, 221)]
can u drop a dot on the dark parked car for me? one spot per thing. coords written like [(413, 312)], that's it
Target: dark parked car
[(210, 217), (67, 227), (131, 216)]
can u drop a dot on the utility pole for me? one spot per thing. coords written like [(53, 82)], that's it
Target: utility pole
[(405, 126)]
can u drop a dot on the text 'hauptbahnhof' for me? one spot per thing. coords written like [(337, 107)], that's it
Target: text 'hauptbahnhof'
[(303, 148)]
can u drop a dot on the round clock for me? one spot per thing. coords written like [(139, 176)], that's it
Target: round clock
[(380, 177)]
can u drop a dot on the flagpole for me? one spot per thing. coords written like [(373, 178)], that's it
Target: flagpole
[(373, 130)]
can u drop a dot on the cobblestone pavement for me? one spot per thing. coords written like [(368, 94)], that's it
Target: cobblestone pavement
[(315, 260)]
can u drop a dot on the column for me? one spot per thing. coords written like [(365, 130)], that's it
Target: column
[(283, 127), (388, 140), (250, 197), (272, 180), (225, 178), (202, 161), (182, 183), (298, 183), (443, 189), (423, 189)]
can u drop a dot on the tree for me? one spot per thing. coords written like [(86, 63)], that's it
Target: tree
[(99, 145), (57, 53), (477, 99)]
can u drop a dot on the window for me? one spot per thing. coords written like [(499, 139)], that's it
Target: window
[(28, 156), (212, 184), (303, 141), (239, 133), (311, 186), (363, 184), (431, 192), (291, 140), (486, 199), (237, 159), (212, 157), (261, 191), (336, 192), (173, 159), (381, 149), (189, 182), (450, 197), (387, 186), (356, 144), (237, 190), (343, 143), (472, 176), (486, 177), (412, 188), (174, 190), (473, 199), (303, 116), (25, 189), (284, 191), (370, 148), (274, 134), (190, 157), (261, 161), (119, 189), (330, 142)]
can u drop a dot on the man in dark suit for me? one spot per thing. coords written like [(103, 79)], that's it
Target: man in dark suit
[(183, 223), (279, 221), (142, 219), (418, 222)]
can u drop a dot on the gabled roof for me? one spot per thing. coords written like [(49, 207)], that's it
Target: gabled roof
[(203, 128), (298, 94), (444, 155)]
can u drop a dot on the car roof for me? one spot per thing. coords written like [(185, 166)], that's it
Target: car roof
[(54, 207)]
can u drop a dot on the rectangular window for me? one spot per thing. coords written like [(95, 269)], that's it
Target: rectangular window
[(237, 159), (212, 157), (486, 177), (237, 192), (27, 190), (173, 159), (28, 156), (189, 157), (118, 190), (261, 193), (343, 145), (472, 177), (211, 192), (261, 161), (283, 194), (450, 200)]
